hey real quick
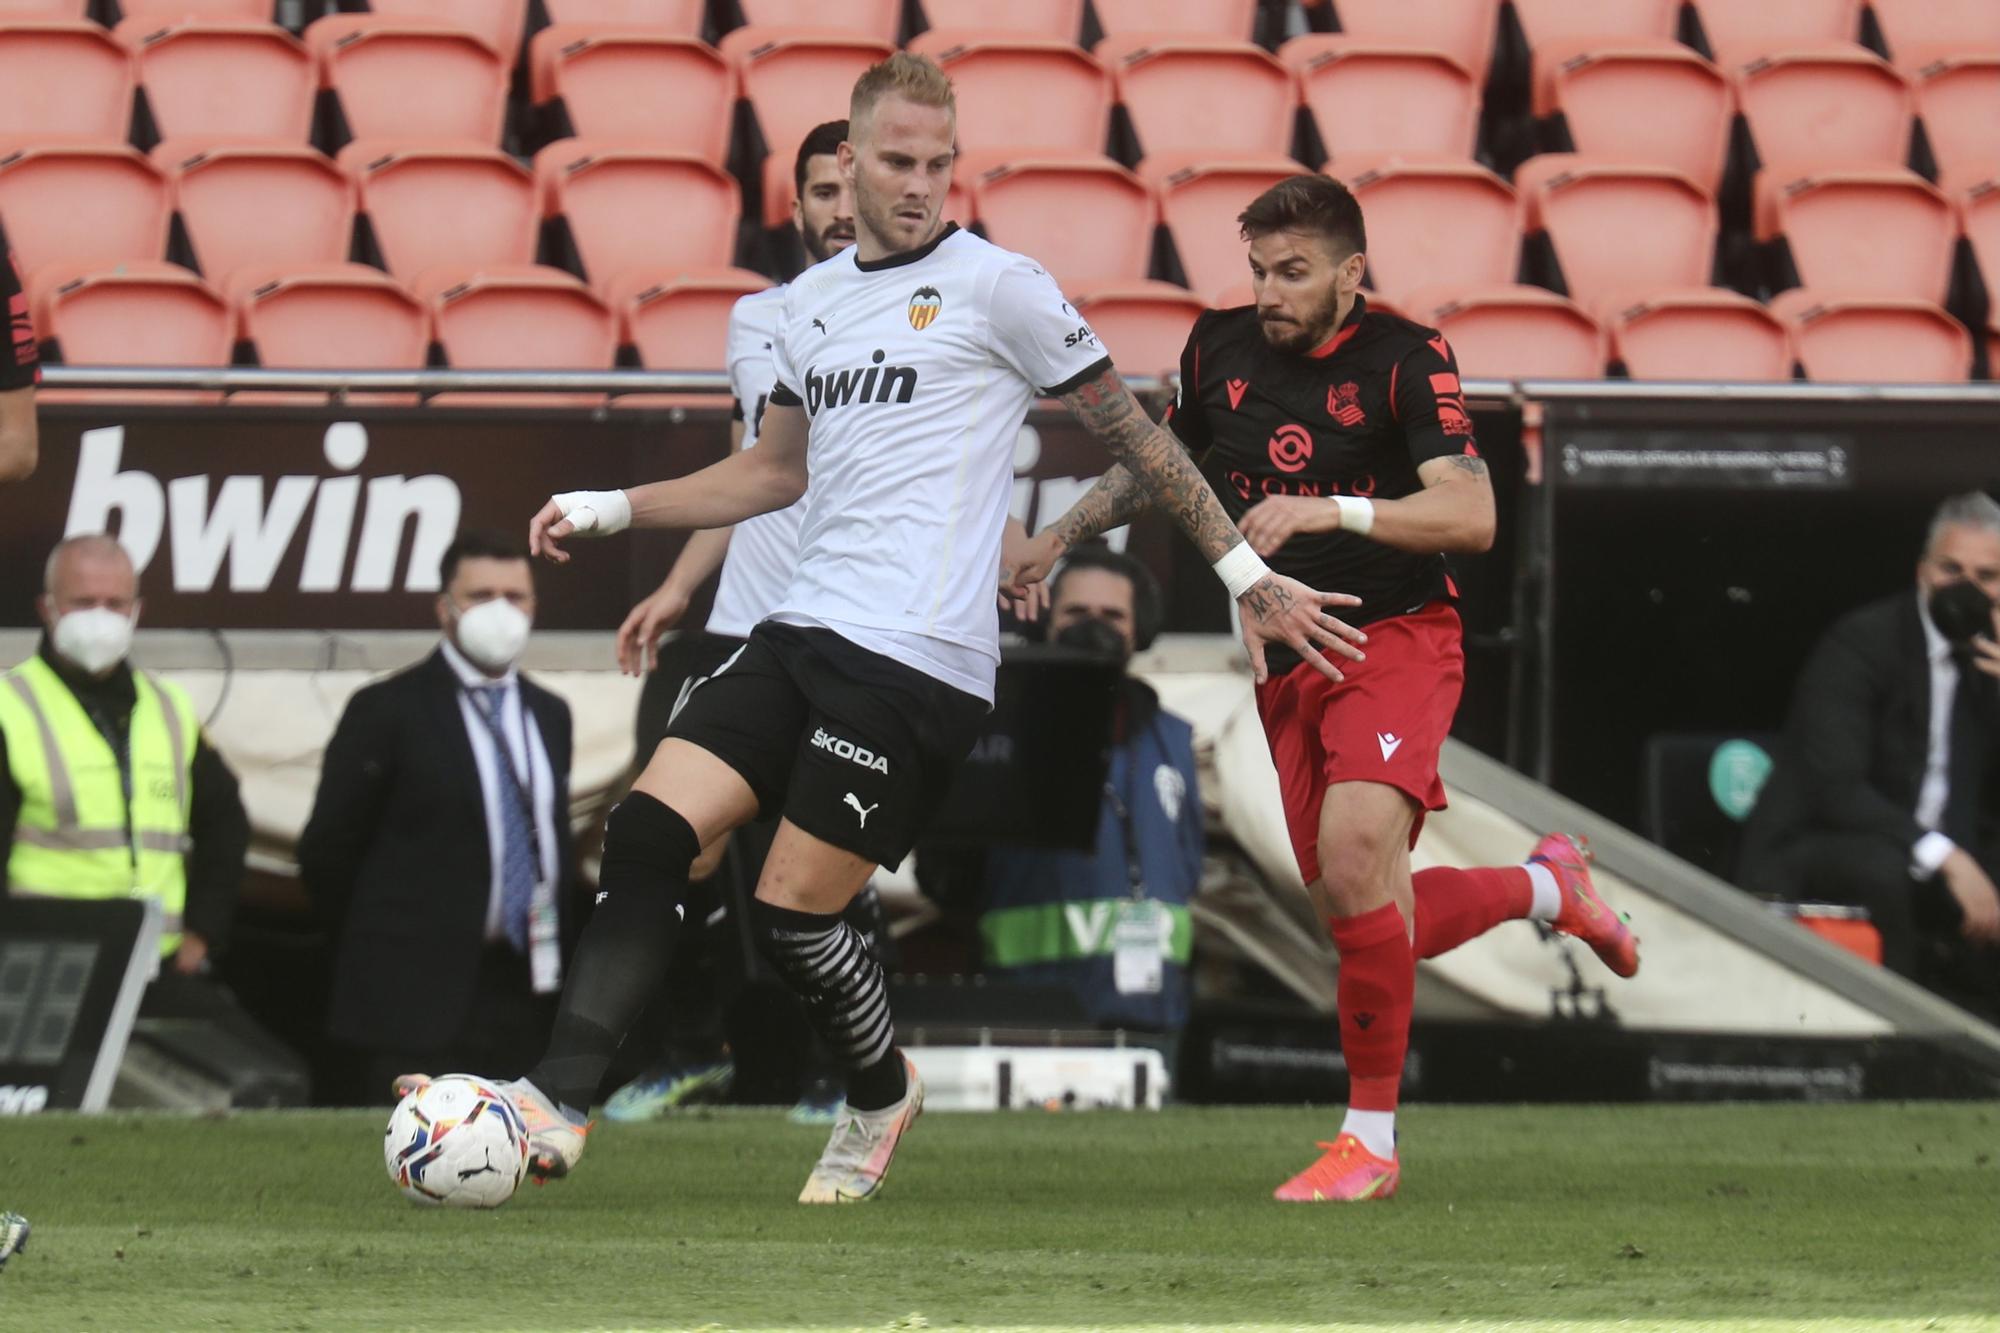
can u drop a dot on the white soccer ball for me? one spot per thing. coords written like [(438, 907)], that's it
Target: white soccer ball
[(457, 1141)]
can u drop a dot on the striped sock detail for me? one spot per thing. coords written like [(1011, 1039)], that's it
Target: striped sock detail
[(827, 964)]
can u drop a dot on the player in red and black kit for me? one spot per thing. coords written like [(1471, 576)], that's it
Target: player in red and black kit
[(1338, 439), (20, 372)]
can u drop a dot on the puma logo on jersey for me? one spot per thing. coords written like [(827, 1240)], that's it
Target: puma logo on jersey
[(1390, 744), (855, 802), (873, 383), (819, 324), (849, 751)]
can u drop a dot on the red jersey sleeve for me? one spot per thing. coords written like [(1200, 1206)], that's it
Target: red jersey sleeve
[(21, 367), (1430, 405)]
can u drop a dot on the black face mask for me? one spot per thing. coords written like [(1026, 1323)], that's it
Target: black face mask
[(1093, 636), (1960, 611)]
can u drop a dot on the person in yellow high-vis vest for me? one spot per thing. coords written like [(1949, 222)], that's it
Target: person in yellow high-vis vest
[(107, 787)]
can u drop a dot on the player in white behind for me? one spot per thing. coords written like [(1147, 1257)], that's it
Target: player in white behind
[(905, 367)]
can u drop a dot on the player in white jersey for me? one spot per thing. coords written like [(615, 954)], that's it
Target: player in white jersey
[(905, 367)]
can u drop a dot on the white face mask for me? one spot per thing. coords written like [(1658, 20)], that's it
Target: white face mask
[(493, 634), (96, 639)]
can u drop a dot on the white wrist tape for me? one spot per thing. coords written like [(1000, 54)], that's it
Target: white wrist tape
[(1239, 569), (601, 512), (1356, 514)]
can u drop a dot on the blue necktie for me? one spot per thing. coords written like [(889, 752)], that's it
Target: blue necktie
[(518, 870)]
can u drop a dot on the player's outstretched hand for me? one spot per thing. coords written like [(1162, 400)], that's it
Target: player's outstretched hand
[(639, 636), (593, 513), (1276, 609), (1024, 571)]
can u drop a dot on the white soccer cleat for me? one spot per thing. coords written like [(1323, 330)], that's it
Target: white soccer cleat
[(857, 1157), (555, 1142)]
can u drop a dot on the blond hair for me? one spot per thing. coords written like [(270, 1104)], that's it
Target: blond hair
[(912, 78)]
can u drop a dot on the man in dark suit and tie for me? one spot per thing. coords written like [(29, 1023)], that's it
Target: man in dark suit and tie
[(439, 846), (1886, 792)]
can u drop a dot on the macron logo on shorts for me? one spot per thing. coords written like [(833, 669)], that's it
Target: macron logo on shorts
[(1389, 744), (849, 751)]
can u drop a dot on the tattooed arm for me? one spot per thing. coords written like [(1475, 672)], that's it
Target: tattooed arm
[(1275, 609)]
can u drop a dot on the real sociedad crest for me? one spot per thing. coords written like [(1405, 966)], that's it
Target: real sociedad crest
[(925, 304)]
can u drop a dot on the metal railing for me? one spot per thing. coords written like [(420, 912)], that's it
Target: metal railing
[(232, 379)]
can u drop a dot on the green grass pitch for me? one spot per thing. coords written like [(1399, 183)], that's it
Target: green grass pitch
[(1537, 1219)]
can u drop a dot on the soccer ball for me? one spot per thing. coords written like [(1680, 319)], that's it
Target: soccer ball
[(457, 1141)]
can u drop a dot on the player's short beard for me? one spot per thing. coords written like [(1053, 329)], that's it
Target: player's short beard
[(1290, 337), (819, 244)]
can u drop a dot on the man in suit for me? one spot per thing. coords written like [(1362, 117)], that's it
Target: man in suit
[(1886, 793), (439, 846)]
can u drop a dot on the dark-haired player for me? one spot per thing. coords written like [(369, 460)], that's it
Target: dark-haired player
[(1339, 441)]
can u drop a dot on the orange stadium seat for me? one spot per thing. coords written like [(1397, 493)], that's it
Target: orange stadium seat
[(1828, 103), (1738, 33), (1232, 20), (64, 80), (82, 204), (1369, 98), (430, 206), (630, 207), (795, 80), (47, 9), (1874, 339), (258, 206), (681, 17), (1061, 19), (1436, 222), (1514, 333), (518, 317), (1199, 201), (1547, 22), (1462, 29), (1618, 227), (498, 23), (331, 317), (1642, 99), (1176, 89), (679, 320), (172, 11), (209, 78), (670, 91), (1700, 333), (1069, 109), (135, 314), (410, 77), (877, 20), (1143, 326), (1860, 231), (1958, 96), (1032, 203), (1979, 221), (1919, 31)]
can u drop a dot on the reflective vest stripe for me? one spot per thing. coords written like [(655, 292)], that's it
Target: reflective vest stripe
[(62, 795), (176, 743)]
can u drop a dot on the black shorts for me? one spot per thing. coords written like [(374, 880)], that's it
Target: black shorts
[(685, 657), (853, 747)]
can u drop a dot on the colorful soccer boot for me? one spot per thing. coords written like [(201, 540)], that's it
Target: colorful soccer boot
[(857, 1157), (1345, 1173), (1583, 913)]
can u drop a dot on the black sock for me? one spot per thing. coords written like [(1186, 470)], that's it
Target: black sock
[(625, 949), (828, 967)]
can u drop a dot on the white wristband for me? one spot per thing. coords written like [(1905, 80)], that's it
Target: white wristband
[(1239, 569), (601, 512), (1356, 514)]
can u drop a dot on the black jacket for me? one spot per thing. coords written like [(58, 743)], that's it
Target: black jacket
[(218, 828), (395, 855), (1858, 738)]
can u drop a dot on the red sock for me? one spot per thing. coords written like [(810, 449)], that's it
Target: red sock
[(1378, 980), (1454, 906)]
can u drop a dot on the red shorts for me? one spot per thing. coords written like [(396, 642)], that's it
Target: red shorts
[(1385, 723)]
